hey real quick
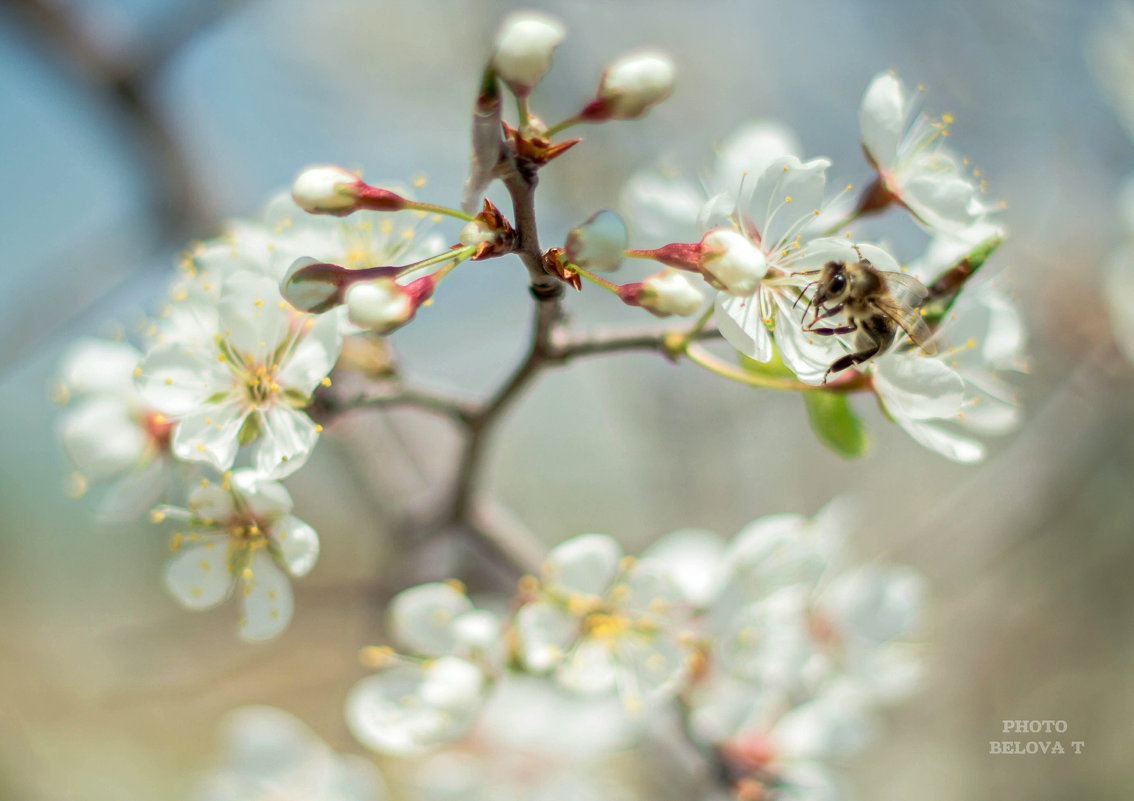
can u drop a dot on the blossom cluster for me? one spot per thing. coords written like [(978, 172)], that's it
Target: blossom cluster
[(201, 425), (763, 236), (775, 647)]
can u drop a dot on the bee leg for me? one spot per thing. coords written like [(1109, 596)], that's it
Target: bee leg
[(851, 359), (821, 314), (827, 332)]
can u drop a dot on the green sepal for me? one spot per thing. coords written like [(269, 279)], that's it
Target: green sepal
[(250, 429)]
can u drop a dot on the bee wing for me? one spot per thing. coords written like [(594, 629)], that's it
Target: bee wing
[(909, 319), (911, 291)]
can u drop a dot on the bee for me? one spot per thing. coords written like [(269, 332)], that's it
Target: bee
[(874, 304)]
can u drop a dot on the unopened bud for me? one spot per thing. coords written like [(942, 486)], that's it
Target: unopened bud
[(732, 263), (598, 244), (384, 305), (631, 85), (523, 49), (663, 294), (312, 286), (489, 232), (315, 286), (327, 189), (381, 306), (476, 232)]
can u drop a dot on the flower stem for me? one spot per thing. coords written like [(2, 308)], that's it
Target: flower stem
[(435, 209), (457, 257), (559, 127), (607, 285), (704, 358)]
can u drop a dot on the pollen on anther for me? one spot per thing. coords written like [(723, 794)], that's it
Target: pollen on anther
[(157, 515), (137, 372), (787, 199), (318, 429), (326, 381), (169, 382)]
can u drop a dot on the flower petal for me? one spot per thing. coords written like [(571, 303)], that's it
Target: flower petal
[(99, 366), (266, 598), (210, 434), (286, 439), (784, 199), (748, 151), (546, 633), (742, 326), (198, 575), (663, 209), (882, 117), (297, 543), (252, 319), (585, 564), (918, 388), (421, 618), (314, 356), (176, 379), (102, 438)]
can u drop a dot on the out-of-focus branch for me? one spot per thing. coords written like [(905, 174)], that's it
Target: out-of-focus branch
[(601, 343), (124, 86)]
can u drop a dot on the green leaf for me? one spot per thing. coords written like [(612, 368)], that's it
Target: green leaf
[(835, 424)]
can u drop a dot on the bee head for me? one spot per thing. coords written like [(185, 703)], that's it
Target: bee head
[(833, 284)]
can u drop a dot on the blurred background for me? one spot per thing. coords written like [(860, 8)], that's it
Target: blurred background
[(133, 126)]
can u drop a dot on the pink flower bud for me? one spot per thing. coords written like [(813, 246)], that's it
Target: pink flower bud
[(664, 294), (327, 189), (631, 85)]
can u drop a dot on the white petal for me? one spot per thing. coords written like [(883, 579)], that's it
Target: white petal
[(806, 354), (546, 633), (251, 319), (874, 602), (99, 366), (662, 209), (451, 683), (286, 439), (298, 545), (421, 618), (882, 118), (260, 496), (784, 199), (198, 576), (387, 711), (944, 201), (649, 668), (742, 326), (136, 492), (262, 741), (951, 446), (175, 379), (585, 564), (589, 668), (266, 599), (918, 388), (102, 438), (694, 559), (211, 502), (748, 151), (830, 726), (313, 357), (210, 434)]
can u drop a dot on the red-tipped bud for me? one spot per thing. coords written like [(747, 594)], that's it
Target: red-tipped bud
[(383, 306), (315, 286), (682, 255), (664, 294), (327, 189), (630, 86)]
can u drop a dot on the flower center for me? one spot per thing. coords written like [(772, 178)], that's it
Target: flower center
[(603, 626)]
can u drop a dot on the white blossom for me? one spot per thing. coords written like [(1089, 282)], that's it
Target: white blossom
[(109, 432), (603, 623), (244, 374), (240, 533), (912, 161), (271, 756)]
